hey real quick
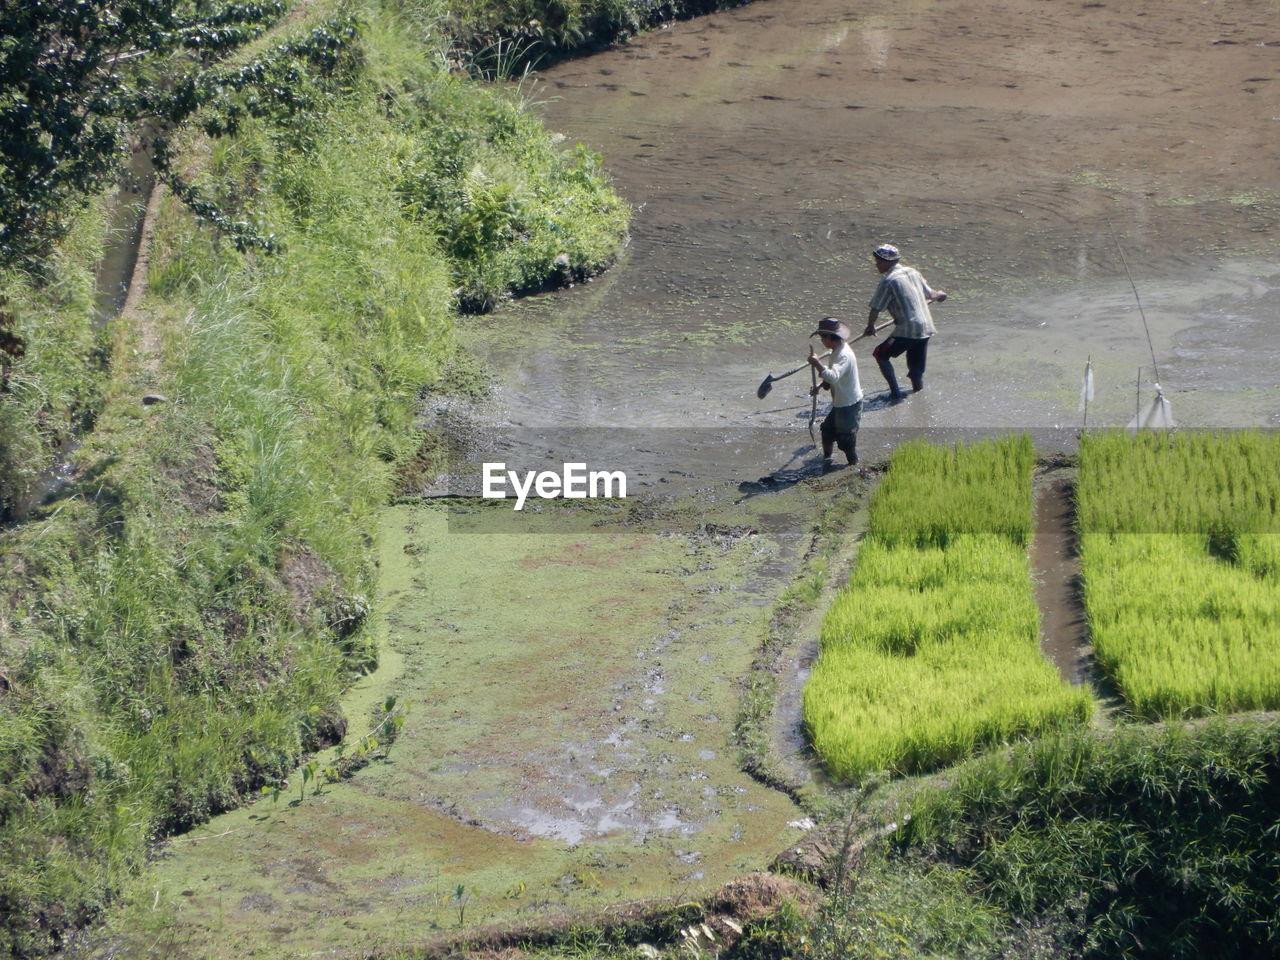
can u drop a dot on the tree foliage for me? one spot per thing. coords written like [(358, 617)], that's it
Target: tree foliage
[(76, 75)]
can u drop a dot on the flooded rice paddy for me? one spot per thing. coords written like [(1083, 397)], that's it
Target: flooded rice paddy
[(1011, 149), (573, 694)]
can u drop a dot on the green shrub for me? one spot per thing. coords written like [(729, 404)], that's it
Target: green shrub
[(1152, 841), (508, 209)]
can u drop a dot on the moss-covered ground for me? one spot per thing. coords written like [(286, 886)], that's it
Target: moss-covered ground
[(180, 617), (569, 743)]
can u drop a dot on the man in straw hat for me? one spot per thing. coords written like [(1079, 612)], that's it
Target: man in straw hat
[(905, 294), (840, 375)]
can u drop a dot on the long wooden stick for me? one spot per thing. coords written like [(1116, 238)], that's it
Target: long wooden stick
[(813, 400)]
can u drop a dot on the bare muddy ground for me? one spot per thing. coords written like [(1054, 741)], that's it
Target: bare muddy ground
[(1055, 567), (1000, 144)]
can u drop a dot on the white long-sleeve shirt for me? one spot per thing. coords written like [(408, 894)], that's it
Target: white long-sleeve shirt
[(842, 374)]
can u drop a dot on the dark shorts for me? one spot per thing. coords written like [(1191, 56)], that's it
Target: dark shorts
[(841, 424), (917, 352)]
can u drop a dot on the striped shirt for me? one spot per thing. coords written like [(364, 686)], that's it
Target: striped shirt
[(903, 292)]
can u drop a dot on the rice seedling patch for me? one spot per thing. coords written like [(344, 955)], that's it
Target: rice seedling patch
[(932, 651), (1181, 561)]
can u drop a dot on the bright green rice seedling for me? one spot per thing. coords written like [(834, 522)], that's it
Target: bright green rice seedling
[(1182, 569), (935, 493), (931, 652)]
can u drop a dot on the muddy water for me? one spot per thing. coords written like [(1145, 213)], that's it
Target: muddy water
[(1005, 146)]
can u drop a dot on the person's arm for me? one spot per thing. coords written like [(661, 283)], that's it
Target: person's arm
[(871, 323), (815, 361), (932, 295)]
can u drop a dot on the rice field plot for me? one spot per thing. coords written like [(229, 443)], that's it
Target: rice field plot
[(1180, 551), (932, 650)]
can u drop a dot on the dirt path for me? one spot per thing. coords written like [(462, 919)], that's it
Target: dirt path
[(1055, 568)]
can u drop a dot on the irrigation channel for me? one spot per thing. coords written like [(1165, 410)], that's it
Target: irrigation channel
[(574, 685), (116, 289)]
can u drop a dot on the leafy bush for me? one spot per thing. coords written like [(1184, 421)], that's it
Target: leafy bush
[(510, 210), (1152, 841)]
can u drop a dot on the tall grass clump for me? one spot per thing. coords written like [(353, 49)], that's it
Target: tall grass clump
[(1180, 551), (1147, 841), (177, 629), (932, 650), (51, 358), (505, 205), (498, 35)]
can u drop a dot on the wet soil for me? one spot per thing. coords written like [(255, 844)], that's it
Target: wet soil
[(1005, 146), (1055, 567)]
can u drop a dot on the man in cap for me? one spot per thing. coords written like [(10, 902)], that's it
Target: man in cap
[(840, 375), (905, 294)]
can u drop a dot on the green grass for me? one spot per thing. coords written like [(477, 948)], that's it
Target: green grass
[(58, 381), (178, 627), (1181, 563), (933, 494), (1193, 482), (502, 35), (1150, 841), (932, 651), (886, 908)]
